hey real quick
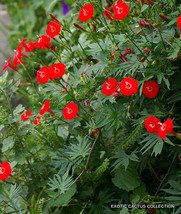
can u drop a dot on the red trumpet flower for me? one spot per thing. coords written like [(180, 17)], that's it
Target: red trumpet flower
[(44, 42), (29, 46), (43, 75), (37, 120), (24, 116), (165, 127), (150, 89), (86, 12), (53, 29), (109, 87), (5, 171), (152, 124), (56, 70), (108, 14), (70, 111), (128, 86), (179, 24), (9, 65), (44, 107), (17, 60), (120, 10)]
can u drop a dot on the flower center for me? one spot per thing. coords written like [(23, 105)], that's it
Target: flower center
[(108, 85), (2, 170), (163, 127), (69, 110), (85, 12), (119, 10), (42, 74), (152, 125), (40, 40), (128, 85), (149, 88), (17, 53), (52, 28), (56, 70)]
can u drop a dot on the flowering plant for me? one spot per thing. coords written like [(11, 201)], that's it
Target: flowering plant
[(99, 116)]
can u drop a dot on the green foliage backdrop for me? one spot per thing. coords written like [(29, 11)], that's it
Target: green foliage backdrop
[(62, 166)]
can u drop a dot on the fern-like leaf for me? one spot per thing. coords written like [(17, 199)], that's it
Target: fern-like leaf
[(97, 174), (60, 183), (129, 142)]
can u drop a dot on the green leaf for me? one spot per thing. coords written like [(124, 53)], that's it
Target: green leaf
[(63, 199), (60, 182), (158, 147), (8, 143), (127, 180), (18, 109), (62, 132), (144, 7), (123, 159), (80, 150), (3, 78)]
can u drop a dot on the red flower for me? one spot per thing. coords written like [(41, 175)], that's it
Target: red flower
[(53, 29), (128, 86), (29, 113), (165, 127), (152, 124), (44, 107), (9, 65), (43, 42), (17, 60), (37, 120), (179, 21), (70, 111), (179, 24), (94, 132), (120, 10), (127, 51), (43, 75), (5, 171), (109, 87), (56, 70), (150, 89), (24, 116), (29, 46), (86, 12), (108, 14)]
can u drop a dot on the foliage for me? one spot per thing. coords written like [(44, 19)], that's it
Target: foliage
[(104, 155)]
